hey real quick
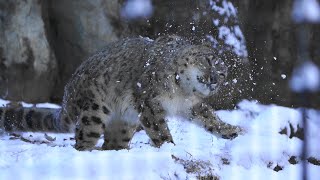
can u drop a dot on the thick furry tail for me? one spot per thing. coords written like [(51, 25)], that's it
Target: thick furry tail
[(14, 119)]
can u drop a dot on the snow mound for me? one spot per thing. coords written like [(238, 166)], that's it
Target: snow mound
[(260, 153)]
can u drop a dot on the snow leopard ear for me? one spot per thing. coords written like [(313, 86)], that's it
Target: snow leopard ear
[(206, 43)]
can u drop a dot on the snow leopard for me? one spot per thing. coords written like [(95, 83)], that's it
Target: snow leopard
[(131, 83)]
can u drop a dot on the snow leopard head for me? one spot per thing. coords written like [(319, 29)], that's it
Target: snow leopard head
[(201, 72)]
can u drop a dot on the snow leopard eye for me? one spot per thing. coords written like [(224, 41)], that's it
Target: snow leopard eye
[(222, 75), (201, 79)]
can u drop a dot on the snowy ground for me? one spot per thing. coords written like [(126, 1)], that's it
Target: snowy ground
[(197, 153)]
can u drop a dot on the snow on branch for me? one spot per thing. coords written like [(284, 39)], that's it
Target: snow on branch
[(227, 24)]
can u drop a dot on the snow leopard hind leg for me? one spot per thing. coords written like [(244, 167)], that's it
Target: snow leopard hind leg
[(91, 125)]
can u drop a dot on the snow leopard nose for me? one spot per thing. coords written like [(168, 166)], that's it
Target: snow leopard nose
[(214, 78)]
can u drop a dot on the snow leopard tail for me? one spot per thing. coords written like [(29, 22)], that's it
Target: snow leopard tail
[(33, 119)]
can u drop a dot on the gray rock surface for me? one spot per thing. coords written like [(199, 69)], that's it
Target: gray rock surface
[(77, 30), (28, 67)]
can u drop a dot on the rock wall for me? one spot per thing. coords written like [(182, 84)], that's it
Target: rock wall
[(28, 66), (76, 30)]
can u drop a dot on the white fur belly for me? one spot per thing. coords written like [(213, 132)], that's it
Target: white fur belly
[(178, 105), (123, 109)]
